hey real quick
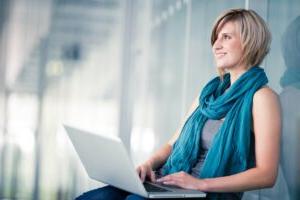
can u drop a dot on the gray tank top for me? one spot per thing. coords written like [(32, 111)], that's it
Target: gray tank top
[(210, 128)]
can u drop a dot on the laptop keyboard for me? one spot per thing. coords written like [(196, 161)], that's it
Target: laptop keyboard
[(153, 188)]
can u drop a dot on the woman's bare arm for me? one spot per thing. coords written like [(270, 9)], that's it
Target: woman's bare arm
[(161, 155), (190, 111), (267, 131)]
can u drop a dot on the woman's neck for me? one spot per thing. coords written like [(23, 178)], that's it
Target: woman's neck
[(236, 72)]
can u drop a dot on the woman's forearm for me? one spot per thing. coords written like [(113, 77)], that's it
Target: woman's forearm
[(160, 157), (251, 179)]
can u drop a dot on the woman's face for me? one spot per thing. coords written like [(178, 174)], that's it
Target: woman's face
[(227, 49)]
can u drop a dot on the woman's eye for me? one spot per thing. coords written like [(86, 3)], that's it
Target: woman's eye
[(226, 37)]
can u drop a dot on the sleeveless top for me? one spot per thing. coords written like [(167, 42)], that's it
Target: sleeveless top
[(210, 128)]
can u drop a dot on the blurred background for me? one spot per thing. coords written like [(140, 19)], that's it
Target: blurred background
[(121, 67)]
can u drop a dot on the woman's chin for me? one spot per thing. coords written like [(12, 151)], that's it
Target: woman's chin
[(221, 67)]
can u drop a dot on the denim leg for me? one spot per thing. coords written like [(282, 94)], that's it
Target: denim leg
[(104, 193), (135, 197)]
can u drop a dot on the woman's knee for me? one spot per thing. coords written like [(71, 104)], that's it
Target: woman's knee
[(135, 197), (104, 193)]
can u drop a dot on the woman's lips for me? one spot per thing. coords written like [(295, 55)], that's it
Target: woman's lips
[(220, 55)]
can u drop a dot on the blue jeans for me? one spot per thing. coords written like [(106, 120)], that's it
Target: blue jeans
[(110, 193)]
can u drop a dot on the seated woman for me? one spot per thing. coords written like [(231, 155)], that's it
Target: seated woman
[(230, 140)]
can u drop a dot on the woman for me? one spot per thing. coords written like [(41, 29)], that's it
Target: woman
[(230, 141)]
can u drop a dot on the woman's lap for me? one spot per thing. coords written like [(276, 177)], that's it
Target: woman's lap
[(110, 193), (134, 197), (104, 193)]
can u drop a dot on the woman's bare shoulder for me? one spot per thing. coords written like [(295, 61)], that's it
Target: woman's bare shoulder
[(265, 94), (266, 102)]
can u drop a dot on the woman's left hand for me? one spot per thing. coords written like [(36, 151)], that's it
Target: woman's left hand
[(183, 180)]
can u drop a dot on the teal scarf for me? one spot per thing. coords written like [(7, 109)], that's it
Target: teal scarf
[(232, 149)]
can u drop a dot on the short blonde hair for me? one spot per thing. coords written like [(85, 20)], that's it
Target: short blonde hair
[(254, 33)]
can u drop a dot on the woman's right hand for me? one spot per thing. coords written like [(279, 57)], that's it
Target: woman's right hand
[(145, 171)]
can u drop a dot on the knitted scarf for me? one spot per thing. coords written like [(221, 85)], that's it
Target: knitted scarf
[(232, 149)]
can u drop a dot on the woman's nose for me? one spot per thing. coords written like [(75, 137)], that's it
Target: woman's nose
[(217, 45)]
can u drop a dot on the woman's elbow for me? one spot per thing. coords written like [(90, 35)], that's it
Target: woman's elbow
[(270, 180), (271, 183)]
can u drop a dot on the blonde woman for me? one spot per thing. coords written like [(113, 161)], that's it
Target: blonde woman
[(230, 140)]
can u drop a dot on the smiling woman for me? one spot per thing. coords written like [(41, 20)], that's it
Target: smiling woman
[(243, 37), (230, 140), (227, 47)]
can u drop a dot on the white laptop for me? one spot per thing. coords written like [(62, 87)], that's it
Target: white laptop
[(106, 160)]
